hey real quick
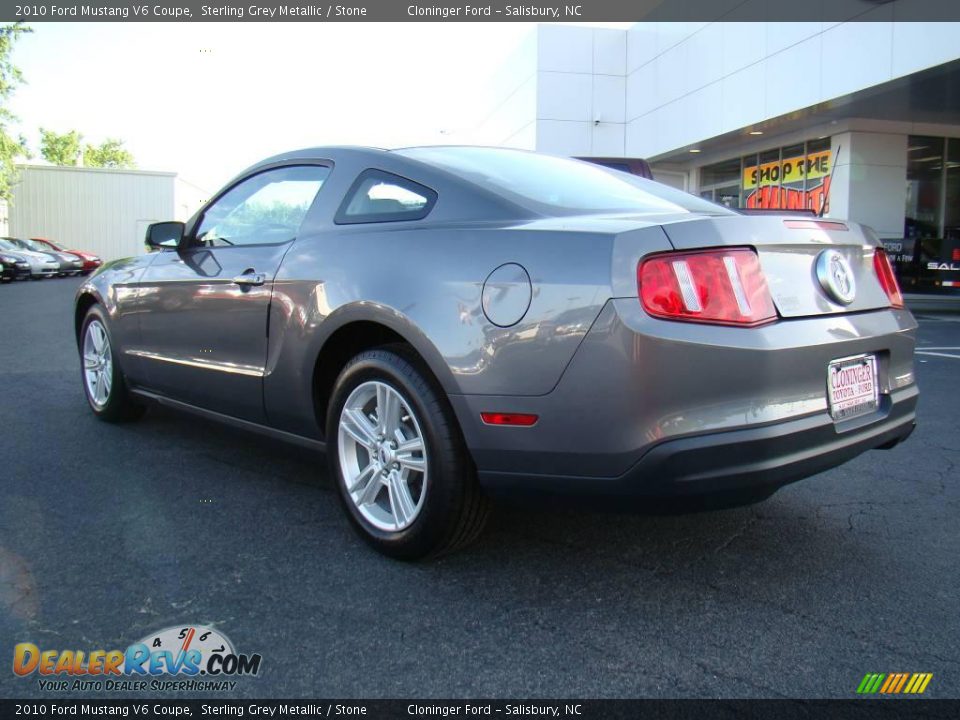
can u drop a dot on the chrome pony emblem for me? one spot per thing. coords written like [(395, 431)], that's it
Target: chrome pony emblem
[(836, 277)]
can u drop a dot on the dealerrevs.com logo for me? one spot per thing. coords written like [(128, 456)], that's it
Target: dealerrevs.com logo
[(176, 658)]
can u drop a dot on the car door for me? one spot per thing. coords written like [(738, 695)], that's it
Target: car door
[(205, 304)]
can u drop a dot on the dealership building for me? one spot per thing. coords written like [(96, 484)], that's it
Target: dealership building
[(860, 119)]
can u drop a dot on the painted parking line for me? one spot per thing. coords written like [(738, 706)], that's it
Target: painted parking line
[(938, 354), (938, 318)]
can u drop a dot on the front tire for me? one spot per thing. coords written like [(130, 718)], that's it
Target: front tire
[(403, 473), (103, 381)]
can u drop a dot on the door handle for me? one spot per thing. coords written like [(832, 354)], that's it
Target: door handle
[(250, 278)]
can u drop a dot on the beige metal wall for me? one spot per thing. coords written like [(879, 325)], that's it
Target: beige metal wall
[(100, 210)]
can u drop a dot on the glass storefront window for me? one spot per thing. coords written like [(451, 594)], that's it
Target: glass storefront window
[(930, 256), (795, 177), (951, 206), (924, 176), (721, 183)]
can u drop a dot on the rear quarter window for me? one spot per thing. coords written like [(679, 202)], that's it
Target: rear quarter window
[(378, 196)]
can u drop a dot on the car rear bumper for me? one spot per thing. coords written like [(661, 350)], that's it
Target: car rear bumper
[(652, 407), (755, 460)]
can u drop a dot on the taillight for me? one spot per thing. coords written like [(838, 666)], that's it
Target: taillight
[(888, 280), (726, 287)]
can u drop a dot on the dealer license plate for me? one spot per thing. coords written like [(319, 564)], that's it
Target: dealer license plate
[(852, 386)]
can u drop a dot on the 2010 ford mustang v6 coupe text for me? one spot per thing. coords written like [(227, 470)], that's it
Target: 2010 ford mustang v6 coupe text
[(447, 321)]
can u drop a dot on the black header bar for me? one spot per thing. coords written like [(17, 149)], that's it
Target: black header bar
[(496, 11)]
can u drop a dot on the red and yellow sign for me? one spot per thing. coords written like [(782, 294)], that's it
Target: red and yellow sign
[(769, 184), (789, 170)]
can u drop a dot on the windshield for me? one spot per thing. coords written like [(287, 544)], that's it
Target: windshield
[(7, 244), (34, 245), (46, 245), (560, 185), (18, 244)]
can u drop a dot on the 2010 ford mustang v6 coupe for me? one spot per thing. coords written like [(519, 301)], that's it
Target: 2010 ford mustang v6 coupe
[(450, 320)]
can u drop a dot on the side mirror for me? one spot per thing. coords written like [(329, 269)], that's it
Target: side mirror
[(164, 235)]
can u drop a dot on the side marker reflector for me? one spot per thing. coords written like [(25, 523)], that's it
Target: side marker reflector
[(514, 419)]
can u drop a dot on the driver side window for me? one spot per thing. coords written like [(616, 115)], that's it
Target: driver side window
[(264, 209)]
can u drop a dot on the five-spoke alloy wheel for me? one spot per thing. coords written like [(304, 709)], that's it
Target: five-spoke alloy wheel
[(382, 456), (103, 382), (97, 363), (403, 473)]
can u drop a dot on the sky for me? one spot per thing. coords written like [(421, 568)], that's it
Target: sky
[(206, 100)]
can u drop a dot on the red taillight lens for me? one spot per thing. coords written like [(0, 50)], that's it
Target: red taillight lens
[(711, 286), (888, 280), (514, 419)]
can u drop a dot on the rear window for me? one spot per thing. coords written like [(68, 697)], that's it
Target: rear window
[(560, 185), (378, 196)]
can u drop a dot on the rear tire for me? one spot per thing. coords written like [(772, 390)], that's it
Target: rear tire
[(103, 382), (403, 473)]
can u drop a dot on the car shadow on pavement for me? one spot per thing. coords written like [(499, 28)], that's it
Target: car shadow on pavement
[(768, 539)]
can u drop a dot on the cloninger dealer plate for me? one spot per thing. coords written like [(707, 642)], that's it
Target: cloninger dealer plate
[(852, 386)]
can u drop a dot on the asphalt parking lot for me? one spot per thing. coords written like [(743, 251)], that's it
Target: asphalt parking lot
[(108, 533)]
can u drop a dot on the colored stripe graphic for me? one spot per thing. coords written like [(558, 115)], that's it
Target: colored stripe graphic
[(918, 683), (894, 683), (870, 683), (903, 680)]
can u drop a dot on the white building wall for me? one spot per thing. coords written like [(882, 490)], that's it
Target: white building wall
[(581, 90), (509, 103), (562, 91), (687, 82), (103, 211)]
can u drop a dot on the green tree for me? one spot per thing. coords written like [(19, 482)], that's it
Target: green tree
[(11, 148), (110, 154), (60, 148)]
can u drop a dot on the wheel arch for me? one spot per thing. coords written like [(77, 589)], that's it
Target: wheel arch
[(85, 300), (354, 329)]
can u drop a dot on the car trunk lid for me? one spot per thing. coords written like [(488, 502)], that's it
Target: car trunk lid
[(788, 248)]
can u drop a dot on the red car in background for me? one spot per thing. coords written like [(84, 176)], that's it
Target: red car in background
[(90, 261)]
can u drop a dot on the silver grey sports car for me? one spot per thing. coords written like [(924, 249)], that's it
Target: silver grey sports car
[(42, 264), (451, 321)]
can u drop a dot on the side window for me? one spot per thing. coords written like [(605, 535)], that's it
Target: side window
[(265, 208), (378, 196)]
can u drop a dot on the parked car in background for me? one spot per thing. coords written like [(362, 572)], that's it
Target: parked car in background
[(451, 321), (90, 261), (69, 264), (41, 264), (14, 266)]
